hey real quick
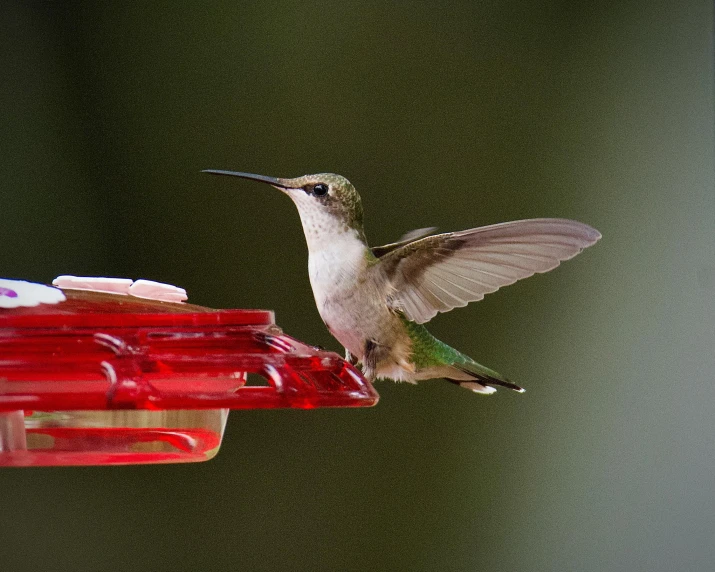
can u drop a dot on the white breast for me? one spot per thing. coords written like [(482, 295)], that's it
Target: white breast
[(335, 263), (335, 270)]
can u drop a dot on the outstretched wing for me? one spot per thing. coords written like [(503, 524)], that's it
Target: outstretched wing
[(411, 236), (441, 272)]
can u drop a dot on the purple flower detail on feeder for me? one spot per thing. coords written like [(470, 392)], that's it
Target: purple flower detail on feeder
[(19, 293), (7, 292)]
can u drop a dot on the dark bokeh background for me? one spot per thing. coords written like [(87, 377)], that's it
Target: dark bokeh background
[(450, 115)]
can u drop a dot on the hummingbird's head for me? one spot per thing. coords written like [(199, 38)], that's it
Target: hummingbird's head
[(326, 202)]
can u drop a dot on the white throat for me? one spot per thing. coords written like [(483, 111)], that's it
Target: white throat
[(337, 254), (322, 229)]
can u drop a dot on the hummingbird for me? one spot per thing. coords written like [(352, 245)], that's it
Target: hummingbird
[(374, 301)]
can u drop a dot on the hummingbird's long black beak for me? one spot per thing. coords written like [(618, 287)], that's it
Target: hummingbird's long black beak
[(270, 180)]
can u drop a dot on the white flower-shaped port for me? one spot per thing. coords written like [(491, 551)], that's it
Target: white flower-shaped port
[(157, 291), (19, 293), (94, 283), (125, 286)]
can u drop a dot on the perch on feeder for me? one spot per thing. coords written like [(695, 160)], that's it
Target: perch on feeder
[(103, 371)]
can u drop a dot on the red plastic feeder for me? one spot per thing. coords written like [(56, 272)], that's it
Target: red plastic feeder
[(107, 379)]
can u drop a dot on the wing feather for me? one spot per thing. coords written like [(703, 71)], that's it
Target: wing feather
[(444, 271), (411, 236)]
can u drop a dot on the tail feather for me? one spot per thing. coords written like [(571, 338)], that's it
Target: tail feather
[(485, 378)]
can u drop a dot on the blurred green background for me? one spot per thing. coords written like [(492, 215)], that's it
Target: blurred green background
[(447, 114)]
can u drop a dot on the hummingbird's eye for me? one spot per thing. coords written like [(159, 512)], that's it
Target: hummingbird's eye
[(320, 190)]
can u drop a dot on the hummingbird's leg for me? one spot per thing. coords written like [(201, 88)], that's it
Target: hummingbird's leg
[(374, 354), (350, 358)]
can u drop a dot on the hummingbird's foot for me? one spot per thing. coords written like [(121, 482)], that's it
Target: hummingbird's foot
[(350, 358), (375, 353)]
